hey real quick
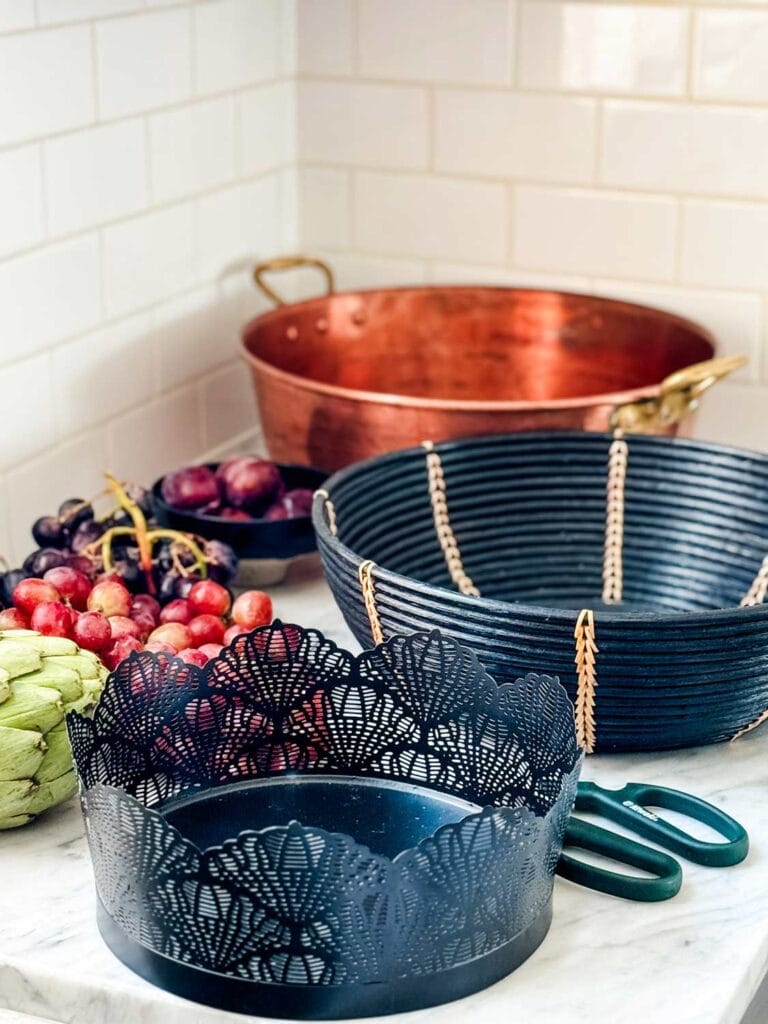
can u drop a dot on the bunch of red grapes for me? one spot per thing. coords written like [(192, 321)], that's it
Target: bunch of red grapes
[(106, 618)]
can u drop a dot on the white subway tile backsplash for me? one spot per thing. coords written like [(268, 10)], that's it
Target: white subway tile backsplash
[(431, 40), (734, 319), (74, 469), (238, 224), (103, 328), (730, 61), (326, 37), (505, 277), (416, 216), (237, 43), (29, 400), (325, 201), (192, 148), (229, 405), (191, 337), (603, 47), (725, 245), (16, 15), (143, 61), (148, 259), (21, 199), (714, 150), (267, 119), (46, 84), (353, 271), (502, 134), (734, 414), (159, 436), (47, 295), (95, 175), (5, 527), (103, 373), (52, 12), (370, 125), (589, 232)]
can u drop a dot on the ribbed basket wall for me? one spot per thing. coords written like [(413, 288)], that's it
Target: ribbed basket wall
[(679, 662)]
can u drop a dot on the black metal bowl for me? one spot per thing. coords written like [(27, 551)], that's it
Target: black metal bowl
[(259, 538), (680, 663)]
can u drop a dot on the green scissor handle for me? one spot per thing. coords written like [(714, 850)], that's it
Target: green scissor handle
[(629, 807), (668, 875)]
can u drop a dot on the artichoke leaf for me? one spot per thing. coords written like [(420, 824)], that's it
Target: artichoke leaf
[(58, 756), (21, 753), (32, 707), (65, 681)]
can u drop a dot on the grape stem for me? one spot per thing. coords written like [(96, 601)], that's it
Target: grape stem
[(145, 538), (140, 526)]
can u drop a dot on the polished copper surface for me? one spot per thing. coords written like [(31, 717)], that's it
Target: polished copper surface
[(355, 374)]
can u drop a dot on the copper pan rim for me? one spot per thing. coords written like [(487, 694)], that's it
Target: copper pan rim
[(461, 405)]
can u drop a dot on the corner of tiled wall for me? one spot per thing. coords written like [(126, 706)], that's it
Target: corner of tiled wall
[(147, 154)]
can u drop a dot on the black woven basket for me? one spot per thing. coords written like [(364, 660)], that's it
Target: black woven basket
[(680, 660)]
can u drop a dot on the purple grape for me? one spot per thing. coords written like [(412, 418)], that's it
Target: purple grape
[(131, 574), (293, 505), (74, 511), (50, 532), (8, 583), (184, 584), (190, 488), (140, 496), (82, 564), (87, 533), (166, 586), (213, 508), (250, 483), (45, 559), (238, 514), (222, 561)]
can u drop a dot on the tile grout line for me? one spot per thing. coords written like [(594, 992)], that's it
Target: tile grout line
[(162, 108), (146, 211)]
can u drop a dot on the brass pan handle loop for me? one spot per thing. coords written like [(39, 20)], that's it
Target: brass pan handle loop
[(679, 393), (289, 263)]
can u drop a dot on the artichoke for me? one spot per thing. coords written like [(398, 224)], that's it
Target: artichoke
[(41, 679)]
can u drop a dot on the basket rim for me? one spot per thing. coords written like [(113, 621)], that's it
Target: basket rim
[(496, 606)]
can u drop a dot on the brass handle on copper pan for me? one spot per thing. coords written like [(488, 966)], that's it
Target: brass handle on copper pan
[(678, 395), (288, 263)]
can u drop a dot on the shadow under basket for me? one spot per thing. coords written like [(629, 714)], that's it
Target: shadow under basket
[(635, 568), (298, 832)]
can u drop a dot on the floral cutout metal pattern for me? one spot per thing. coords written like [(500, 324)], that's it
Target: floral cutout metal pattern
[(294, 903)]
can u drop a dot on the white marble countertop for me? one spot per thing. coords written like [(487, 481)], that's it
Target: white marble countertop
[(696, 959)]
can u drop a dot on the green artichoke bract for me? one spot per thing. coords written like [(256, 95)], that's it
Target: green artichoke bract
[(41, 679)]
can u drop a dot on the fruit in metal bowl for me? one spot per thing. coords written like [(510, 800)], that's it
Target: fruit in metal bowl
[(242, 488)]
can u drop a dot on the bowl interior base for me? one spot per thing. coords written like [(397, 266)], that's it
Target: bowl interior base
[(385, 816)]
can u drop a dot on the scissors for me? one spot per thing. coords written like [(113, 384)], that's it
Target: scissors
[(629, 807)]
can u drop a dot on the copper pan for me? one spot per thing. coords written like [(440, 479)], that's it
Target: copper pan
[(348, 375)]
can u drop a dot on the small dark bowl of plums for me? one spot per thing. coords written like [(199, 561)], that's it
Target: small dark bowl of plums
[(262, 509)]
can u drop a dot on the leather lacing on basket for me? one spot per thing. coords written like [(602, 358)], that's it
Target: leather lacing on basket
[(584, 633)]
